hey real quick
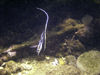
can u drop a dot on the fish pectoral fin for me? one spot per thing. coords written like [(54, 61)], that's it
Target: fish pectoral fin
[(35, 46)]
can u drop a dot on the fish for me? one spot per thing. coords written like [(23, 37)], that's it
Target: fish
[(42, 42)]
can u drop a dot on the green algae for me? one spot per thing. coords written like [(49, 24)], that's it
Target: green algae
[(12, 67), (30, 66), (69, 25)]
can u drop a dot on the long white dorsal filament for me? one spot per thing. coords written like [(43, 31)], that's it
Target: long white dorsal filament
[(46, 18)]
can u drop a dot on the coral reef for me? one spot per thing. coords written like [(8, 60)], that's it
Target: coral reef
[(89, 62)]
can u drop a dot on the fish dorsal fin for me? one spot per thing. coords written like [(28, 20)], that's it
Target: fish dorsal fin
[(87, 19)]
